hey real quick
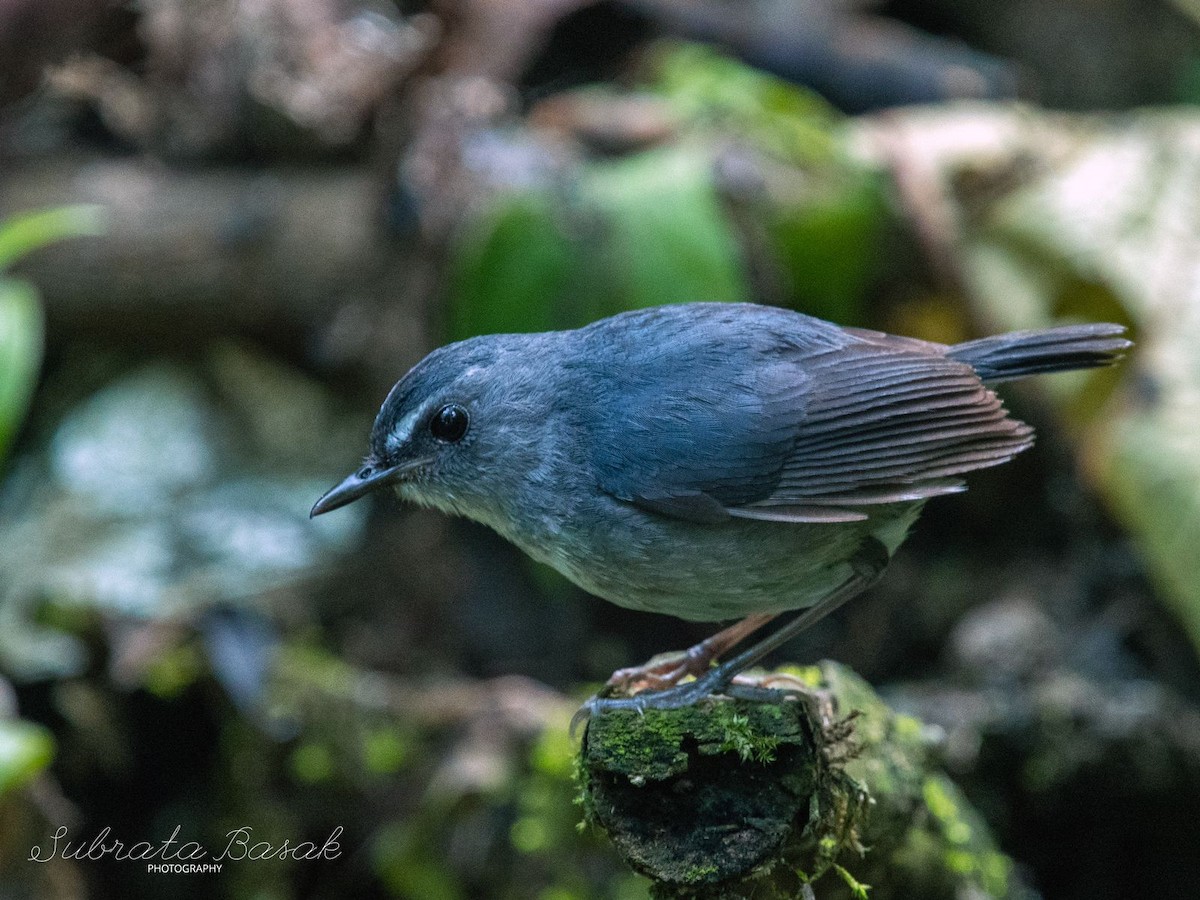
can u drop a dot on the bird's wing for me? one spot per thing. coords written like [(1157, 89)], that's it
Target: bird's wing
[(800, 434)]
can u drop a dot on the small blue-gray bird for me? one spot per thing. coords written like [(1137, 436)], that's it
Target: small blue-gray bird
[(710, 461)]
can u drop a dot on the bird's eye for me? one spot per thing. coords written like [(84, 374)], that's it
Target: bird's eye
[(449, 423)]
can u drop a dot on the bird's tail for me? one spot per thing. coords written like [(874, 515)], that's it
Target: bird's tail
[(1021, 353)]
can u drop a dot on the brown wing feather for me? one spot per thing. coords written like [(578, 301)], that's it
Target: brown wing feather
[(885, 427)]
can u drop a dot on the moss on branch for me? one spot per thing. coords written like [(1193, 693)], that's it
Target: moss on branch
[(820, 794)]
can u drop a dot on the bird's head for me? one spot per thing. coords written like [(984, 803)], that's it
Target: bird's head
[(444, 427)]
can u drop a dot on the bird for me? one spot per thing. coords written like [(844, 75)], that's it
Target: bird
[(709, 461)]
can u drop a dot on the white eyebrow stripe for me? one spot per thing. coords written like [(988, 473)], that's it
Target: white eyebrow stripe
[(402, 431)]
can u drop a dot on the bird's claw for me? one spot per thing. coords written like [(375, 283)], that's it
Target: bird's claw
[(662, 672), (675, 697), (715, 682)]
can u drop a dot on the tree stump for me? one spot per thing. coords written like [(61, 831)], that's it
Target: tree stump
[(819, 790)]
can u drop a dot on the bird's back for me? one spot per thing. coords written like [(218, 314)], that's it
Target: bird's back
[(738, 455)]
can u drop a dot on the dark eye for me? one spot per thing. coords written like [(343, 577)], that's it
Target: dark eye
[(449, 423)]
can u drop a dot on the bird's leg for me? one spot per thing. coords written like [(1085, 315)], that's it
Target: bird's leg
[(868, 564), (667, 671)]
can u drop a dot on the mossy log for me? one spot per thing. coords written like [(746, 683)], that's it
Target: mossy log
[(746, 798)]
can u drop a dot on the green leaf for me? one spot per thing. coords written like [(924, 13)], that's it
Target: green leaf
[(25, 750), (652, 228), (21, 330), (828, 241), (660, 233), (639, 231), (824, 226), (707, 88), (21, 323), (512, 268), (1153, 480), (26, 232)]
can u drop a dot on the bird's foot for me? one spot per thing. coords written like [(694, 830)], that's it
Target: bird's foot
[(660, 683), (718, 681), (662, 672)]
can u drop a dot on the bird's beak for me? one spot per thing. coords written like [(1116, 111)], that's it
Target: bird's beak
[(361, 483)]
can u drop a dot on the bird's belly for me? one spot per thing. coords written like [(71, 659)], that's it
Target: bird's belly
[(712, 572)]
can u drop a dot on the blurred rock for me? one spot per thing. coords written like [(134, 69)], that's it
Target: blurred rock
[(1004, 640)]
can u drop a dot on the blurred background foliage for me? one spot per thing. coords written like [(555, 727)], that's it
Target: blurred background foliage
[(227, 227)]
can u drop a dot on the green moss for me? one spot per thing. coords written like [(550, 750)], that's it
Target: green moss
[(863, 799), (955, 840), (908, 728), (649, 746), (583, 794), (740, 737), (642, 746), (857, 888), (938, 800), (694, 795), (807, 675), (699, 874)]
